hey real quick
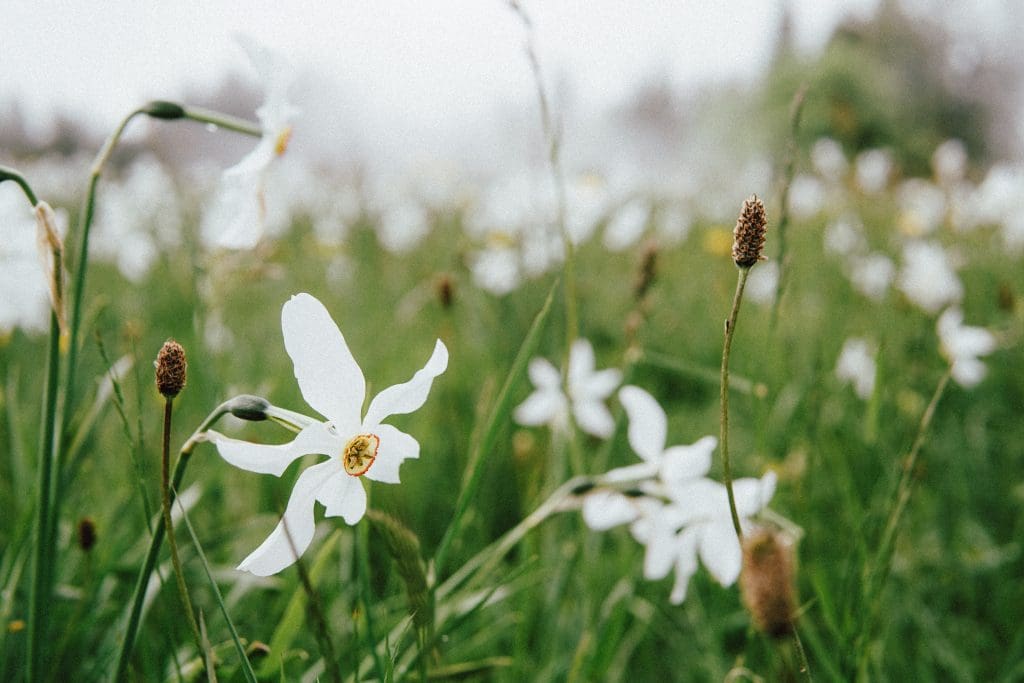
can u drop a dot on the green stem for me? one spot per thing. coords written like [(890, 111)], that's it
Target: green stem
[(135, 616), (320, 628), (39, 592), (39, 588), (363, 569), (730, 329), (232, 123), (165, 490)]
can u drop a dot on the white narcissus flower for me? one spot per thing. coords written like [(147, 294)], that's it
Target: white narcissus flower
[(928, 277), (648, 428), (333, 385), (856, 365), (587, 390), (695, 522), (235, 220), (962, 344)]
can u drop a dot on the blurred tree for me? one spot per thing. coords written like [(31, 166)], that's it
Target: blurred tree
[(886, 82)]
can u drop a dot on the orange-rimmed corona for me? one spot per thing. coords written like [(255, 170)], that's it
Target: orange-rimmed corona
[(359, 454)]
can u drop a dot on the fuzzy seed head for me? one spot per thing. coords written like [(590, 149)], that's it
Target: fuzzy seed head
[(766, 582), (170, 369), (86, 534), (748, 235)]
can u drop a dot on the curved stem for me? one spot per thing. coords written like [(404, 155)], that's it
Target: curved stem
[(8, 173), (165, 491), (730, 328), (142, 582)]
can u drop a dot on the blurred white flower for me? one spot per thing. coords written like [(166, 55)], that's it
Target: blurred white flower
[(762, 282), (698, 523), (627, 225), (949, 162), (856, 365), (673, 224), (928, 278), (873, 168), (333, 385), (872, 275), (587, 390), (806, 197), (25, 299), (496, 268), (922, 206), (829, 160), (845, 236), (587, 200), (236, 217), (962, 344), (402, 226)]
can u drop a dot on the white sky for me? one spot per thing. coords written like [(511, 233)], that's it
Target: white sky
[(402, 65)]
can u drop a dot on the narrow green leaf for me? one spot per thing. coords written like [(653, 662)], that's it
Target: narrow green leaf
[(502, 407), (294, 615), (250, 675)]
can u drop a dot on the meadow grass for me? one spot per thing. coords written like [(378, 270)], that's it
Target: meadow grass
[(565, 603)]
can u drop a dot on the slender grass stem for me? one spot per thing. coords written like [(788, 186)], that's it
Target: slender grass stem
[(172, 543), (135, 615), (363, 571), (730, 329), (320, 625), (43, 559), (795, 110)]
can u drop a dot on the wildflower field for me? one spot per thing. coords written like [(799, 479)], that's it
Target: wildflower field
[(512, 431)]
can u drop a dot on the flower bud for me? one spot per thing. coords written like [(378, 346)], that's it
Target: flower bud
[(51, 253), (248, 407), (170, 369), (748, 235), (162, 109), (86, 534), (766, 582)]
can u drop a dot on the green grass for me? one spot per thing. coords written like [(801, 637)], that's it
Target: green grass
[(567, 603)]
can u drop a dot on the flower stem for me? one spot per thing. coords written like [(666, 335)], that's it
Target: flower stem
[(142, 582), (165, 490), (363, 571), (43, 560), (730, 328), (215, 118)]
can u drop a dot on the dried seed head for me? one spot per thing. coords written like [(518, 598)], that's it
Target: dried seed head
[(767, 581), (748, 235), (170, 369), (86, 534), (404, 548), (648, 270), (445, 290)]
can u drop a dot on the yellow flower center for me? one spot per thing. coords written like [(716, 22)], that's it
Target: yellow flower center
[(359, 454), (283, 138)]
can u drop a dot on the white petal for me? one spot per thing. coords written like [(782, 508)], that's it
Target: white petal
[(544, 375), (409, 396), (329, 378), (344, 496), (274, 459), (603, 510), (395, 446), (661, 549), (752, 495), (681, 463), (282, 547), (720, 551), (599, 385), (594, 418), (700, 500), (686, 563), (647, 422), (968, 372), (540, 407), (581, 362), (234, 219), (637, 472)]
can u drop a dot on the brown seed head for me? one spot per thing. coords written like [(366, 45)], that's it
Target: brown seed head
[(445, 290), (647, 271), (86, 534), (748, 235), (170, 369), (767, 581)]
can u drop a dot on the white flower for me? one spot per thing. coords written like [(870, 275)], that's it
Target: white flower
[(762, 283), (333, 385), (962, 344), (627, 225), (235, 221), (928, 278), (829, 160), (587, 390), (648, 429), (845, 236), (698, 523), (856, 365), (871, 275), (806, 197), (873, 168), (949, 161)]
